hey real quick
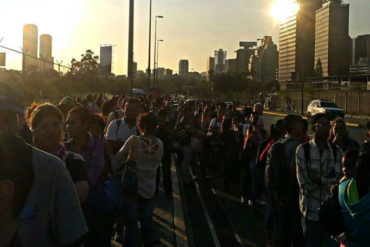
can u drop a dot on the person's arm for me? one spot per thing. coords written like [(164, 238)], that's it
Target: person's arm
[(123, 152), (304, 181)]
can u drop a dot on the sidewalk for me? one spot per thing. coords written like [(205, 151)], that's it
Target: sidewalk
[(168, 219)]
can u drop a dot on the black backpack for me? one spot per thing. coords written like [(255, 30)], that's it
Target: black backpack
[(277, 168)]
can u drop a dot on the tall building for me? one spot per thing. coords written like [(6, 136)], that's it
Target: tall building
[(243, 55), (263, 64), (231, 65), (297, 43), (210, 68), (332, 41), (30, 40), (183, 67), (106, 59), (45, 53), (220, 60), (362, 47)]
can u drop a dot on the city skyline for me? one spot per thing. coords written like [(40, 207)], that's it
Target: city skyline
[(192, 30)]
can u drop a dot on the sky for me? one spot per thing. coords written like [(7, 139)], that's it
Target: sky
[(191, 29)]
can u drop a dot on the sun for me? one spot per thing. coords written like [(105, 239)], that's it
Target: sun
[(283, 9)]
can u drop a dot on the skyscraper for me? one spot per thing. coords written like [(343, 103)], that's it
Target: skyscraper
[(46, 59), (297, 43), (210, 68), (183, 67), (30, 40), (332, 42), (220, 60), (362, 47), (105, 60)]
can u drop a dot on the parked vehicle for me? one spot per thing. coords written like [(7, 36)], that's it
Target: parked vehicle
[(324, 106)]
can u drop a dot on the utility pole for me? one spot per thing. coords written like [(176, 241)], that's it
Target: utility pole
[(130, 63), (150, 43)]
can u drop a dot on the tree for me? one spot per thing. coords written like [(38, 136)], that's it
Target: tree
[(88, 65)]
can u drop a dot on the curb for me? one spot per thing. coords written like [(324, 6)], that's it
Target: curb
[(349, 124)]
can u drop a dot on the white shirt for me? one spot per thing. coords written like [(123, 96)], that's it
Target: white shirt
[(148, 158), (114, 115), (122, 134), (215, 124)]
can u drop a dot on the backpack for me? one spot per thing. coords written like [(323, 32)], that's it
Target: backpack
[(277, 170)]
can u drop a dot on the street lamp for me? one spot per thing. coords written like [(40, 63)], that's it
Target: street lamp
[(150, 43), (156, 63), (130, 62), (155, 45)]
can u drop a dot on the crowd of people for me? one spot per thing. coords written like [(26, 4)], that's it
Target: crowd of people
[(85, 171)]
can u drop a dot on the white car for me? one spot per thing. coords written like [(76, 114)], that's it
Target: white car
[(324, 106)]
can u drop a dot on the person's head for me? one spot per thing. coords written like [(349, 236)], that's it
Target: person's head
[(11, 110), (131, 109), (277, 129), (16, 180), (320, 126), (293, 125), (338, 129), (362, 173), (46, 123), (221, 109), (97, 126), (349, 160), (107, 107), (187, 112), (305, 125), (258, 107), (147, 123), (66, 104), (78, 122)]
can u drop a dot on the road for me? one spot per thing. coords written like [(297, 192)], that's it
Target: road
[(358, 133)]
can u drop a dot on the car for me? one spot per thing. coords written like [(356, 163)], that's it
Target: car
[(324, 106)]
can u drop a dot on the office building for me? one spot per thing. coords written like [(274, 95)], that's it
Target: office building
[(183, 67), (220, 61), (210, 68), (30, 40), (168, 73), (45, 54), (106, 60), (297, 43), (263, 64), (362, 47), (332, 42), (243, 55), (231, 65)]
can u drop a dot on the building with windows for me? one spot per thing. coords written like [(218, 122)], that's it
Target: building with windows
[(30, 40), (332, 41), (211, 67), (362, 47), (45, 55), (220, 61), (297, 43), (183, 67), (106, 52)]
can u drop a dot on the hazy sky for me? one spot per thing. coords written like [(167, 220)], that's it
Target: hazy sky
[(191, 29)]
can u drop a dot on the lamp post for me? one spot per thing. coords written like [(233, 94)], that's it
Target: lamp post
[(150, 43), (156, 63), (130, 63), (155, 45)]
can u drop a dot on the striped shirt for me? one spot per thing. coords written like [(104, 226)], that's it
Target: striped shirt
[(322, 165)]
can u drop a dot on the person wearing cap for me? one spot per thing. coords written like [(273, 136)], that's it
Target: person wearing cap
[(52, 215)]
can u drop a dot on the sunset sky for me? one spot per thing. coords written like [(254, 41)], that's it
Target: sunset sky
[(191, 29)]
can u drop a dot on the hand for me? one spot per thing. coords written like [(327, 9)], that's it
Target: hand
[(314, 179)]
